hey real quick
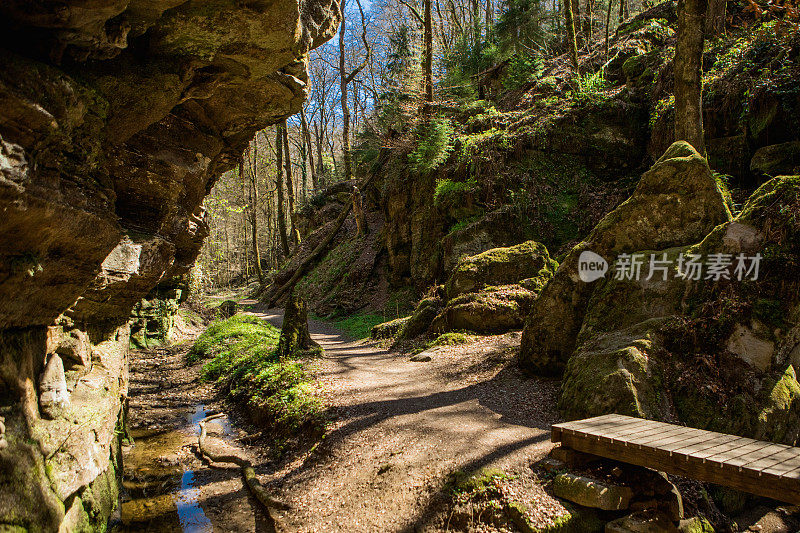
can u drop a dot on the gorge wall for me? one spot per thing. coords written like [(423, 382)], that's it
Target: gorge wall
[(116, 117)]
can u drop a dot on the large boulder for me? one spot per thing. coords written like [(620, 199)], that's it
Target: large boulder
[(677, 202), (500, 266), (494, 310), (716, 353), (776, 159)]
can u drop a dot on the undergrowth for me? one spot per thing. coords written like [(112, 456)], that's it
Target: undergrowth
[(277, 392)]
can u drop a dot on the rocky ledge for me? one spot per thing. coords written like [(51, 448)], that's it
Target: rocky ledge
[(116, 117)]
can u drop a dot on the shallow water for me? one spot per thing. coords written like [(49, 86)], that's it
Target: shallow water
[(160, 488), (190, 514)]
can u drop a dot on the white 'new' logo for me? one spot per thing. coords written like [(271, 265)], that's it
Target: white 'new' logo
[(591, 266)]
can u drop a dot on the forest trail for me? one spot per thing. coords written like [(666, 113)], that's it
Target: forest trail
[(403, 426)]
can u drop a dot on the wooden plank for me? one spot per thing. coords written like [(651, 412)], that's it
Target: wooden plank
[(730, 445), (648, 440), (766, 452), (775, 460), (788, 492), (711, 443), (699, 438), (624, 431)]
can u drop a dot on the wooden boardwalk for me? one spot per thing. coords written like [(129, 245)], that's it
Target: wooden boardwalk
[(757, 467)]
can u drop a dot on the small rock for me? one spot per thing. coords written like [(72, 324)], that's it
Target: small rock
[(549, 464), (695, 525), (422, 357), (53, 394), (592, 493), (642, 522)]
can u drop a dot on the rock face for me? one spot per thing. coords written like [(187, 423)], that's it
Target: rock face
[(116, 117), (677, 202), (716, 349)]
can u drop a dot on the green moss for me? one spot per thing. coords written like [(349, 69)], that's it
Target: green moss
[(276, 390), (226, 340), (476, 483), (450, 339)]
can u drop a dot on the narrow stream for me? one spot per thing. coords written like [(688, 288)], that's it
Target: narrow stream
[(161, 491)]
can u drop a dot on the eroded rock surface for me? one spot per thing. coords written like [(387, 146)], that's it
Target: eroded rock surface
[(116, 117)]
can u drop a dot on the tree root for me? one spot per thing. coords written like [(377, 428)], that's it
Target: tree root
[(249, 474)]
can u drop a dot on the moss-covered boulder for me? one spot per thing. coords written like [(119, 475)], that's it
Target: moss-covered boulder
[(776, 159), (677, 202), (715, 353), (500, 266), (419, 322), (592, 493), (389, 329), (615, 373), (492, 310)]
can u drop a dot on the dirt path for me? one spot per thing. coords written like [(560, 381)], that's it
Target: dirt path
[(403, 426)]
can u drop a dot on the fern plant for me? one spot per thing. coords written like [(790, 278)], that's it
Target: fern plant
[(434, 144)]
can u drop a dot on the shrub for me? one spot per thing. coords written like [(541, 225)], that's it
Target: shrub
[(449, 191)]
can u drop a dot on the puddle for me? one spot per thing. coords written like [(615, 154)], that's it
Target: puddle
[(161, 491), (190, 514), (200, 413)]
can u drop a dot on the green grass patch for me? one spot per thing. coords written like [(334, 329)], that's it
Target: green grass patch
[(358, 326), (277, 392)]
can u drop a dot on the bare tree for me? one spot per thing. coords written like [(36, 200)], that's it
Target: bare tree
[(345, 79)]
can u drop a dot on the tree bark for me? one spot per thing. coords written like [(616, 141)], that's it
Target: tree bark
[(715, 18), (310, 150), (287, 159), (689, 73), (254, 212), (427, 63), (295, 336), (608, 24), (573, 42), (279, 184), (348, 171)]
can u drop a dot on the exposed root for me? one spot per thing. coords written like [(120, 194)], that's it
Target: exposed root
[(249, 474)]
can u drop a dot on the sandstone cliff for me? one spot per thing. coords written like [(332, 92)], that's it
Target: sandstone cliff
[(116, 117)]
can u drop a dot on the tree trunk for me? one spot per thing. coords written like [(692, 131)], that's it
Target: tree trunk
[(427, 63), (715, 18), (279, 185), (576, 21), (689, 73), (622, 10), (307, 140), (348, 171), (608, 24), (295, 336), (573, 42), (358, 212), (287, 157), (254, 212)]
